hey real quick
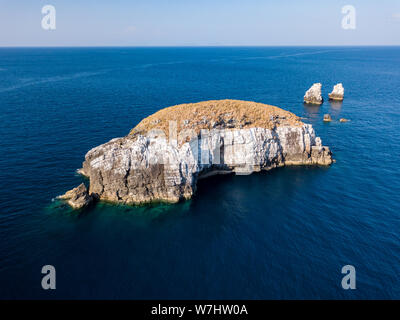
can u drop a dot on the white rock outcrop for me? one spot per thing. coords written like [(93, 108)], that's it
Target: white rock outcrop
[(313, 95), (337, 93)]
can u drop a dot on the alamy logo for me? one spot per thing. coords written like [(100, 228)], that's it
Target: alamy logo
[(349, 20), (49, 280), (349, 280), (49, 20)]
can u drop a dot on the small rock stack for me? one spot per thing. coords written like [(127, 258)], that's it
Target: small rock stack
[(337, 93), (313, 95)]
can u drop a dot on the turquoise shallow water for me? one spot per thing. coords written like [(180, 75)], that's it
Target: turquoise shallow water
[(279, 234)]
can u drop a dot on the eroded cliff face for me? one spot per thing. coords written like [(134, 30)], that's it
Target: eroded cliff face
[(142, 168)]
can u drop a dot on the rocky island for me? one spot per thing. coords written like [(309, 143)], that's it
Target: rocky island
[(164, 156)]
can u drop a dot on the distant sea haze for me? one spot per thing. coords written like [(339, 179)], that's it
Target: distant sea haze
[(285, 233)]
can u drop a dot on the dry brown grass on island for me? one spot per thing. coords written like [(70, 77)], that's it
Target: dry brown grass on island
[(214, 114)]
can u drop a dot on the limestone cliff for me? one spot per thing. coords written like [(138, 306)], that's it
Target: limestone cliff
[(164, 155)]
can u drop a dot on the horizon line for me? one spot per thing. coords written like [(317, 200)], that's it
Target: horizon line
[(196, 46)]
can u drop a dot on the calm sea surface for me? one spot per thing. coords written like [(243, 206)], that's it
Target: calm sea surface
[(282, 234)]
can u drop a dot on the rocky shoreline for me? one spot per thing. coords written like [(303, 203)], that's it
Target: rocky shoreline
[(212, 137), (313, 95)]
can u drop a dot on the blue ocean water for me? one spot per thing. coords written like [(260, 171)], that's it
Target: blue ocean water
[(285, 233)]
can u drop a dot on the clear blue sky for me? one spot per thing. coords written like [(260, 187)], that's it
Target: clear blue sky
[(198, 23)]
